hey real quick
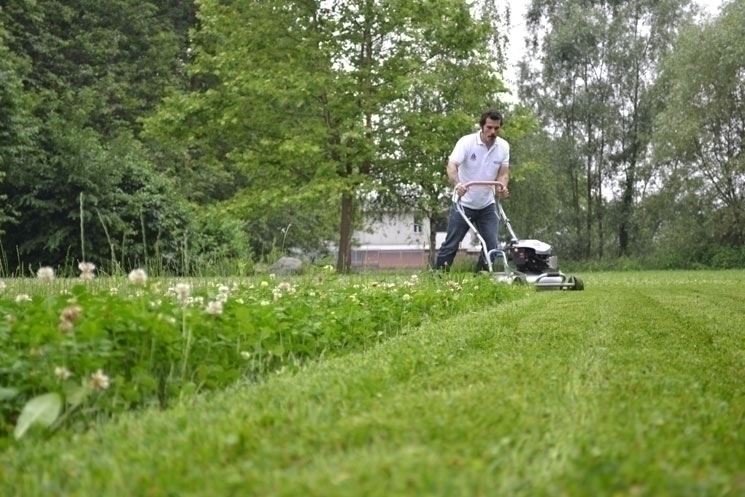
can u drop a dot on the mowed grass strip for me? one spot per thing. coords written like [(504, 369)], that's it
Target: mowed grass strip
[(632, 387)]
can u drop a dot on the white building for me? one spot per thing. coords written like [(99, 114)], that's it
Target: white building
[(398, 241)]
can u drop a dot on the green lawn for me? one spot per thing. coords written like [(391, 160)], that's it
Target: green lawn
[(635, 386)]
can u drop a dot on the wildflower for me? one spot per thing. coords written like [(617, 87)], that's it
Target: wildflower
[(86, 270), (286, 287), (264, 284), (66, 326), (246, 354), (137, 277), (71, 313), (264, 303), (222, 297), (45, 273), (22, 297), (406, 297), (329, 268), (62, 373), (183, 292), (99, 380), (2, 285), (214, 308)]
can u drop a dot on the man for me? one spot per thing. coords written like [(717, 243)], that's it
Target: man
[(480, 156)]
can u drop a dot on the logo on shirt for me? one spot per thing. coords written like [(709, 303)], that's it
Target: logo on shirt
[(473, 156)]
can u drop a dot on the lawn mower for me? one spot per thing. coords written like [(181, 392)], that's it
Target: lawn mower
[(534, 261)]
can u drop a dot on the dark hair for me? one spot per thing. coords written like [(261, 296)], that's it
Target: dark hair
[(491, 114)]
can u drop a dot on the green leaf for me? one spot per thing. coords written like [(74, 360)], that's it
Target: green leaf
[(7, 393), (42, 410)]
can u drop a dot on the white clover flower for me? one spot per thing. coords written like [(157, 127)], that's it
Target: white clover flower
[(86, 267), (99, 380), (183, 292), (329, 268), (264, 284), (45, 273), (214, 308), (406, 297), (71, 313), (66, 326), (264, 302), (62, 373), (22, 297), (86, 270), (68, 317), (239, 301), (137, 277), (286, 287), (246, 354), (272, 276)]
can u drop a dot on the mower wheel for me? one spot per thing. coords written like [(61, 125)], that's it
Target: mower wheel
[(578, 284)]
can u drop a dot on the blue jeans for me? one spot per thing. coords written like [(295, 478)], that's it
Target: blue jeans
[(486, 222)]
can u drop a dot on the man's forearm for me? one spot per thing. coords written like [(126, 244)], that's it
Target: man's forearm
[(504, 176), (452, 170)]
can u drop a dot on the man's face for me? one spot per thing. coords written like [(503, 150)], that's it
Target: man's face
[(490, 129)]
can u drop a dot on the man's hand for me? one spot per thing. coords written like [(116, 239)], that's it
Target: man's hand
[(501, 191), (460, 189)]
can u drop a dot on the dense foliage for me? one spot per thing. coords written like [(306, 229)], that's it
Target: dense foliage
[(105, 346)]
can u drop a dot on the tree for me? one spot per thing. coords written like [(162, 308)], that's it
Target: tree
[(592, 90), (16, 124), (86, 72), (317, 92), (703, 121)]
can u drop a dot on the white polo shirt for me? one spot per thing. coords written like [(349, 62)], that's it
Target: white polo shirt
[(477, 163)]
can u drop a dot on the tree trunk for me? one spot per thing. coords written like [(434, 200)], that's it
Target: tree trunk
[(344, 257), (432, 242)]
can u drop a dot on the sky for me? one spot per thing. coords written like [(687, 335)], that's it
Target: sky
[(517, 34)]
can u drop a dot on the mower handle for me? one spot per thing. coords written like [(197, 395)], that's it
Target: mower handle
[(498, 184)]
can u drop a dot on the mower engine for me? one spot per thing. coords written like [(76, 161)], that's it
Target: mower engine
[(532, 256)]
